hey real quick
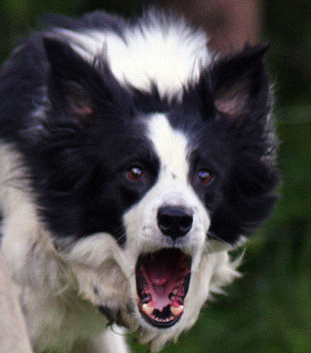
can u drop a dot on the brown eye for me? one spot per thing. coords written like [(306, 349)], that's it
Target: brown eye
[(135, 174), (204, 176)]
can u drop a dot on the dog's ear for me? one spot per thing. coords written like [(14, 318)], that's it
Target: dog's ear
[(70, 84), (236, 86), (240, 83), (77, 87)]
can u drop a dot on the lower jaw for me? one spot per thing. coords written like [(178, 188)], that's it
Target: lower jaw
[(160, 323)]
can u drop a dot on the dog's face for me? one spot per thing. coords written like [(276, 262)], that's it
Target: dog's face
[(152, 190), (167, 228)]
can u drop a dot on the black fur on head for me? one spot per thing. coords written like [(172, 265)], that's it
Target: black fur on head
[(78, 153), (82, 146), (228, 115), (239, 101)]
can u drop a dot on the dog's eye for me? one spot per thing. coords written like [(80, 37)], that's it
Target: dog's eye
[(204, 176), (135, 174)]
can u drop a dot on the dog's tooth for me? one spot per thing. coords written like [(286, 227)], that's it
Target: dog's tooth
[(146, 298), (177, 310), (147, 309)]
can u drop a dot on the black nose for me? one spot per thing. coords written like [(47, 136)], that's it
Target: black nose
[(174, 221)]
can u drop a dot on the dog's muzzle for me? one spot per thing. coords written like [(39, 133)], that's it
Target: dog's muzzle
[(162, 277)]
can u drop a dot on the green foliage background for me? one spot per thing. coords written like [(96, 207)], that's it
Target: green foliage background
[(268, 309)]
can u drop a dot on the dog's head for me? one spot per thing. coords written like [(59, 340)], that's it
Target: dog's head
[(152, 189)]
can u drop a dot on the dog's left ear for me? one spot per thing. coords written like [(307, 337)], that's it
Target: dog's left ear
[(69, 81), (239, 84), (77, 87)]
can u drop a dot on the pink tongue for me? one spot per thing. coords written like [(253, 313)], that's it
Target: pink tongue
[(159, 275), (163, 273), (161, 284)]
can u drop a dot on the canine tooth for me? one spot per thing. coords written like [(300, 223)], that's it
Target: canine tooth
[(146, 298), (147, 309), (177, 310)]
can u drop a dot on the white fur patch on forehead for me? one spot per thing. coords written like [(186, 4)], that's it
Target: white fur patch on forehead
[(167, 53), (170, 145)]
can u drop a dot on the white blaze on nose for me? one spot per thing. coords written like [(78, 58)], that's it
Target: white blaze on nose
[(170, 146)]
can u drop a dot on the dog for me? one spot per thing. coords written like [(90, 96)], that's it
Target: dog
[(133, 160)]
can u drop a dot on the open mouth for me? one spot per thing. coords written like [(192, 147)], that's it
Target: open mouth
[(162, 281)]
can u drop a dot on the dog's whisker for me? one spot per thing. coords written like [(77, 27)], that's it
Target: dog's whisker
[(214, 236)]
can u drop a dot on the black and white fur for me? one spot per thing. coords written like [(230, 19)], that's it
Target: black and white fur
[(110, 128)]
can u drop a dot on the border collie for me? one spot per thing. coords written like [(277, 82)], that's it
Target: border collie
[(132, 162)]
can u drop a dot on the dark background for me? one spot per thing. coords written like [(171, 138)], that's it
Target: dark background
[(267, 310)]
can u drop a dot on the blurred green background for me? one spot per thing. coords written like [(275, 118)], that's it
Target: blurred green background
[(267, 310)]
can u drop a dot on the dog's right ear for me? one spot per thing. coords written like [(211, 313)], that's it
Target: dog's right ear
[(78, 88), (240, 84)]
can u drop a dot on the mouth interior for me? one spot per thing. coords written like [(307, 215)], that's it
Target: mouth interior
[(162, 280)]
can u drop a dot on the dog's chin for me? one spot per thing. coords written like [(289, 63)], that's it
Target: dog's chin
[(162, 282)]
